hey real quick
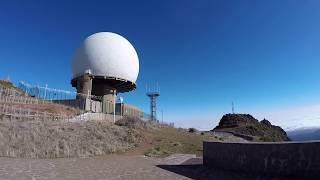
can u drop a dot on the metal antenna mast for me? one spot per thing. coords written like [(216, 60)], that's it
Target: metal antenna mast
[(153, 103), (232, 107)]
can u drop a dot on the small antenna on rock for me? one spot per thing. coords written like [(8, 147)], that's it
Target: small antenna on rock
[(232, 107)]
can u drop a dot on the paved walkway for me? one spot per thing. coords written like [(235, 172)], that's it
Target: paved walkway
[(107, 167), (112, 167)]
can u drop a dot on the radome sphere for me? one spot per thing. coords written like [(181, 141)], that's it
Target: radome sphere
[(106, 54)]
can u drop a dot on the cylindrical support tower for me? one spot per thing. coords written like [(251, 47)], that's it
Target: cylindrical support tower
[(109, 100), (84, 85)]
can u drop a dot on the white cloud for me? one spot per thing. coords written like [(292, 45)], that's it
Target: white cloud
[(293, 117), (200, 121)]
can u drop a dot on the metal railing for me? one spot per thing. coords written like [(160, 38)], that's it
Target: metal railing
[(52, 94), (36, 103)]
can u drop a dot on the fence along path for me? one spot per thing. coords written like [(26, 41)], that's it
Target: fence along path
[(10, 111), (26, 102), (5, 98), (12, 101)]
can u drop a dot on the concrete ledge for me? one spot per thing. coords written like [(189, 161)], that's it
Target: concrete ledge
[(282, 158)]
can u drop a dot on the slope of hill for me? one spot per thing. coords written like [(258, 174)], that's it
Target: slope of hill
[(29, 135), (8, 85), (57, 139), (247, 127)]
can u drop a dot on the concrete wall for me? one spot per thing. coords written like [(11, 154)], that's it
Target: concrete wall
[(107, 107), (95, 116), (285, 158), (75, 103), (104, 107), (83, 104), (93, 106), (128, 110)]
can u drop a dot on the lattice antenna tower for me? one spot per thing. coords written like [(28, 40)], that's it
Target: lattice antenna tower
[(153, 94)]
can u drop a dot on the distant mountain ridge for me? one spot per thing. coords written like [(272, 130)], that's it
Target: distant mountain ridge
[(247, 127), (305, 134)]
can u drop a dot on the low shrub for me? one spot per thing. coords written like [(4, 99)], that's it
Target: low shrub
[(192, 130), (132, 122)]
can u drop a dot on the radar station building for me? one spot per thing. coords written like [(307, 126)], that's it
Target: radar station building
[(105, 65)]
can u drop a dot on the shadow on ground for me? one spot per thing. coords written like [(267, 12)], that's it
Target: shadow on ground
[(194, 169)]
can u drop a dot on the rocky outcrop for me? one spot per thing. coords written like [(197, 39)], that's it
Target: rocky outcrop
[(247, 127)]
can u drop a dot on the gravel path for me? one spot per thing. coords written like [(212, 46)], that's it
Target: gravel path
[(113, 167), (107, 167)]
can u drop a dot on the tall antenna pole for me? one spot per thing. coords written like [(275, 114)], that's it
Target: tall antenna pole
[(114, 106), (232, 107), (162, 116)]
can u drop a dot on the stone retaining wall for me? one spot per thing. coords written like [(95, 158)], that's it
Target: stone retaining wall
[(284, 158)]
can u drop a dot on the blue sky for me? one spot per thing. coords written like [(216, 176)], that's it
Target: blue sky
[(263, 55)]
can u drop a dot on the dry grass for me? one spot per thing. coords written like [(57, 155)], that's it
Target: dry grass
[(168, 140), (163, 140), (8, 84), (52, 139), (48, 108), (55, 139)]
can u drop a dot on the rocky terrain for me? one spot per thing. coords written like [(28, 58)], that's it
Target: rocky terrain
[(249, 128)]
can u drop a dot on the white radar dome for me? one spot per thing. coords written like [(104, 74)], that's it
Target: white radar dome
[(106, 54)]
